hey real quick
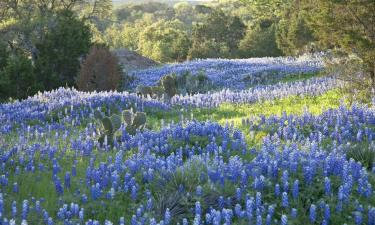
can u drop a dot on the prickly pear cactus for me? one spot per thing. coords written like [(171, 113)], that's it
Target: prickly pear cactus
[(127, 116), (116, 122), (98, 115), (139, 120), (107, 125)]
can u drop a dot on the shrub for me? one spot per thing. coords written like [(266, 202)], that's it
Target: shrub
[(17, 78), (100, 71)]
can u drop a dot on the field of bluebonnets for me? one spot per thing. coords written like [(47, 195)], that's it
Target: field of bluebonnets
[(272, 143)]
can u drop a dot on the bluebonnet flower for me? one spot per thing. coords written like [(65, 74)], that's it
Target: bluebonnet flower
[(25, 209), (312, 213), (293, 214), (227, 214), (259, 220), (14, 209), (15, 187), (358, 218), (284, 220), (295, 190), (284, 200), (167, 217), (268, 219), (238, 194), (327, 212), (133, 220), (58, 186), (371, 216), (199, 191), (198, 208), (221, 202), (67, 180), (149, 204), (134, 192), (258, 199), (249, 208), (277, 190)]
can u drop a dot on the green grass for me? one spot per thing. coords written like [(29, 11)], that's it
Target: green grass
[(235, 113)]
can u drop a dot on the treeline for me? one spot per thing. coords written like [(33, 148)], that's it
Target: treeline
[(165, 33)]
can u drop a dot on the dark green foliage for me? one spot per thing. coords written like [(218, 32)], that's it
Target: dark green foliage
[(348, 25), (59, 52), (293, 35), (260, 42), (4, 54), (218, 36), (17, 77)]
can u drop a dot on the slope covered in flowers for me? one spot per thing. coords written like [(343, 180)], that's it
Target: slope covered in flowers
[(235, 74), (190, 166)]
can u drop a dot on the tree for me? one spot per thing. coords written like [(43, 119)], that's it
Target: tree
[(164, 41), (100, 71), (293, 34), (260, 42), (17, 78), (219, 31), (289, 17), (348, 25), (64, 44)]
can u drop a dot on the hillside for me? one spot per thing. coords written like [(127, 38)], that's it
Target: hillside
[(285, 147)]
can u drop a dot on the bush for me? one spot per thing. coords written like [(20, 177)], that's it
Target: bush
[(100, 71), (17, 78)]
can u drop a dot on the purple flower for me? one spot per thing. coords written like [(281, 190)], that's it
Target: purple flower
[(284, 200), (284, 220), (295, 190), (327, 186), (312, 213)]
